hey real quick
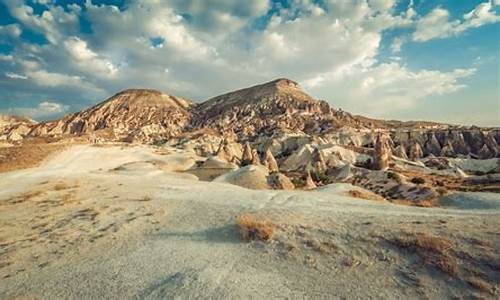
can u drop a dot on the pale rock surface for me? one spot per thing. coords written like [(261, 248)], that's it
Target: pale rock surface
[(251, 177)]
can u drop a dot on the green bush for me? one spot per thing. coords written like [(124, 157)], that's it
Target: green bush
[(418, 180)]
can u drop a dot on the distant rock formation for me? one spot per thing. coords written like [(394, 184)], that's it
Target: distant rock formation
[(382, 153)]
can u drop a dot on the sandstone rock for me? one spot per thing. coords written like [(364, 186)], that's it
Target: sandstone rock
[(247, 157), (400, 151), (251, 176), (309, 182), (485, 152), (318, 160), (448, 150), (382, 153), (255, 157), (280, 181), (432, 145), (270, 162), (415, 151)]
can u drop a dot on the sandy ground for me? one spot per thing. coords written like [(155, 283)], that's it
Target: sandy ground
[(115, 222)]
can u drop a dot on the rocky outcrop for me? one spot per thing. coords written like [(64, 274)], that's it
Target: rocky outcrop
[(309, 184), (142, 115), (318, 160), (14, 128), (270, 162), (382, 153), (279, 181), (277, 106), (400, 151), (416, 151)]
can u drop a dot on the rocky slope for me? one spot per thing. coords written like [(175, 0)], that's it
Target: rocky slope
[(262, 114), (140, 114), (279, 106), (14, 128)]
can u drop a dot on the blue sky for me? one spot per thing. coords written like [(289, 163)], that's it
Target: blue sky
[(410, 60)]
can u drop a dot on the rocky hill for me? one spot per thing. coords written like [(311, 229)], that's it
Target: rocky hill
[(262, 113), (131, 114), (13, 128), (274, 107)]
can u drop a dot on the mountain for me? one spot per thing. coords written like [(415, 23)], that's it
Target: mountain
[(277, 106), (140, 113), (272, 110)]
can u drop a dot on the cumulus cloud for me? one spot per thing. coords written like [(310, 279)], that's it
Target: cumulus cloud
[(437, 23), (202, 48), (87, 59), (390, 87), (44, 109)]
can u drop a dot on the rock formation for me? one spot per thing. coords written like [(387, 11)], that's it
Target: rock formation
[(280, 182), (382, 153), (309, 184), (400, 151), (416, 151), (270, 162), (247, 157), (318, 160)]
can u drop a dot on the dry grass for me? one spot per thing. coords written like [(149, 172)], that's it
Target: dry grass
[(365, 195), (61, 186), (27, 155), (252, 227), (434, 250)]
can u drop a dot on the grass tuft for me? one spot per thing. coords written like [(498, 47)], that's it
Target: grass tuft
[(252, 227)]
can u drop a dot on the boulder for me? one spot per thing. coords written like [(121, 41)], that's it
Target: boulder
[(280, 181), (251, 177)]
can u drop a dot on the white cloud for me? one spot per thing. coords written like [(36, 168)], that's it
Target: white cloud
[(53, 23), (391, 87), (43, 110), (87, 59), (15, 76), (11, 31), (212, 46), (437, 24)]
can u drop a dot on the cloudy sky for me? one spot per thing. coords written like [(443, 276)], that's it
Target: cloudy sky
[(398, 59)]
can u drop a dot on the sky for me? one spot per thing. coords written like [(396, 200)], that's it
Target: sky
[(393, 59)]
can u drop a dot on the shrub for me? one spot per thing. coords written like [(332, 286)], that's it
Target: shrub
[(394, 176), (418, 180), (320, 176), (252, 227)]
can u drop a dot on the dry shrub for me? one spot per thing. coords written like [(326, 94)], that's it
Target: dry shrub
[(364, 195), (420, 241), (252, 227), (434, 250), (61, 186)]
